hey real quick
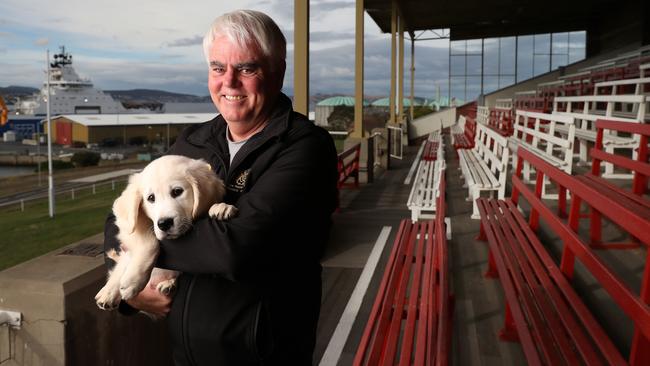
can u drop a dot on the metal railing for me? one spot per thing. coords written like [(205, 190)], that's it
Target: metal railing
[(72, 192)]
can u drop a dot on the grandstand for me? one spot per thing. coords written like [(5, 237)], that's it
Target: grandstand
[(510, 230)]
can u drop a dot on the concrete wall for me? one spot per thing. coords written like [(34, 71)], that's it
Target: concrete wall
[(431, 122), (322, 112), (61, 323)]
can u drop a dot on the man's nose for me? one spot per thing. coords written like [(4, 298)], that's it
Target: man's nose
[(230, 77)]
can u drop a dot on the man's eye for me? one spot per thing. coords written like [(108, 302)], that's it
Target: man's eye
[(247, 70), (177, 192), (151, 198), (219, 70)]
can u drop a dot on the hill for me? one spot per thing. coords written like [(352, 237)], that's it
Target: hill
[(13, 90), (151, 95)]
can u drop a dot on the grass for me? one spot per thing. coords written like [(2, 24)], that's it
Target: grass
[(28, 234), (338, 142)]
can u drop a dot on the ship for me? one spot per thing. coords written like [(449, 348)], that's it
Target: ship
[(69, 93)]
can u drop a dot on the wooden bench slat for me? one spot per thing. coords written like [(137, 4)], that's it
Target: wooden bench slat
[(600, 271), (532, 252), (375, 332), (627, 200), (621, 161), (543, 290), (517, 312), (414, 300), (410, 320)]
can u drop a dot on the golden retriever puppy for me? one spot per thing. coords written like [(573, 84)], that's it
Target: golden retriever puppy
[(158, 203)]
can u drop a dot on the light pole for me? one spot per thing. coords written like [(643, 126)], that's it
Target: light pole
[(50, 180)]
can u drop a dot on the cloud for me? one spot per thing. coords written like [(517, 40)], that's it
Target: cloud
[(184, 42), (325, 6), (44, 41), (321, 36)]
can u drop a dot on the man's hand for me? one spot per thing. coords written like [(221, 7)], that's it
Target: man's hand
[(151, 301)]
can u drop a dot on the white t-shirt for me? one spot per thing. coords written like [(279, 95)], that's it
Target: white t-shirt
[(233, 147)]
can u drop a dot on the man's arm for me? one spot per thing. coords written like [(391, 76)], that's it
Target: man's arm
[(297, 188)]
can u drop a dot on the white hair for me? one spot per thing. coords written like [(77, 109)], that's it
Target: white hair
[(247, 28)]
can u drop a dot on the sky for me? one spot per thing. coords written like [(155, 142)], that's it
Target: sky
[(157, 45)]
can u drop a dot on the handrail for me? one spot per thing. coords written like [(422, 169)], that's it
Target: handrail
[(349, 169)]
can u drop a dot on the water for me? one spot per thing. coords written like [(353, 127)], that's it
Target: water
[(10, 171)]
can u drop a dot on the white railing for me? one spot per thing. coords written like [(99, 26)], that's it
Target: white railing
[(71, 192)]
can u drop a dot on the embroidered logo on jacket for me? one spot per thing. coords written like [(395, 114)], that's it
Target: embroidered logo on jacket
[(240, 183)]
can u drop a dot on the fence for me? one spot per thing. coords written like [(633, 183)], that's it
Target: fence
[(66, 192)]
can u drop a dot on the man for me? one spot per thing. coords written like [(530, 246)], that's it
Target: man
[(251, 286)]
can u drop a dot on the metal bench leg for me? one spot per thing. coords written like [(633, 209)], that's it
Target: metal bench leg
[(509, 331), (415, 213), (475, 195), (491, 271), (481, 233), (448, 225), (583, 151)]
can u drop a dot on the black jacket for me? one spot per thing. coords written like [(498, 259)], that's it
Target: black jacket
[(251, 286)]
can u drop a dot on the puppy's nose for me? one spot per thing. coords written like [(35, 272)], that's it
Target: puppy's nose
[(165, 223)]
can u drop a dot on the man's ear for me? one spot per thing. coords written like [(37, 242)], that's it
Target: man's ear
[(127, 206), (282, 67)]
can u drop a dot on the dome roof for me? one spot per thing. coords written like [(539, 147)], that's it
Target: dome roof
[(340, 100)]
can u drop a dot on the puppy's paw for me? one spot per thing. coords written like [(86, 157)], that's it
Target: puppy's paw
[(167, 287), (129, 291), (108, 298), (222, 211), (132, 285)]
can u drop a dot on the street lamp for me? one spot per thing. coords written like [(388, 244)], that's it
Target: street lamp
[(50, 189)]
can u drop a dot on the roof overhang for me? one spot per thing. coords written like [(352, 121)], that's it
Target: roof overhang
[(472, 19)]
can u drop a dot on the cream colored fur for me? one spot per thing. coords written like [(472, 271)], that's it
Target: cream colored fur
[(173, 188)]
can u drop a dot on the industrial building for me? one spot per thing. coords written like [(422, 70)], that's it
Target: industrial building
[(122, 128)]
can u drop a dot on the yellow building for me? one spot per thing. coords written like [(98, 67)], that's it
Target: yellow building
[(122, 128)]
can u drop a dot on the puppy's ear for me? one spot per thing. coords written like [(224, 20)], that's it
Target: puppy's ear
[(127, 206), (207, 188)]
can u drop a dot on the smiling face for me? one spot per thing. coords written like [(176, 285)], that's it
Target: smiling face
[(242, 85)]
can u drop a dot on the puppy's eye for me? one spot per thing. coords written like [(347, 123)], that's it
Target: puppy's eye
[(177, 192), (151, 198)]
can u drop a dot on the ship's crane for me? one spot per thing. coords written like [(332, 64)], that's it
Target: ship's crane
[(4, 112)]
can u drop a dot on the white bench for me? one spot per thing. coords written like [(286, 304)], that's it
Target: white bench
[(638, 84), (458, 128), (585, 119), (644, 70), (426, 187), (613, 88), (503, 103), (482, 115), (540, 134), (435, 137), (484, 167)]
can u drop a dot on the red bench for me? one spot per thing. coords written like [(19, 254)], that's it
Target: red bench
[(465, 140), (430, 151), (501, 121), (348, 166), (410, 321), (543, 310), (634, 198)]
